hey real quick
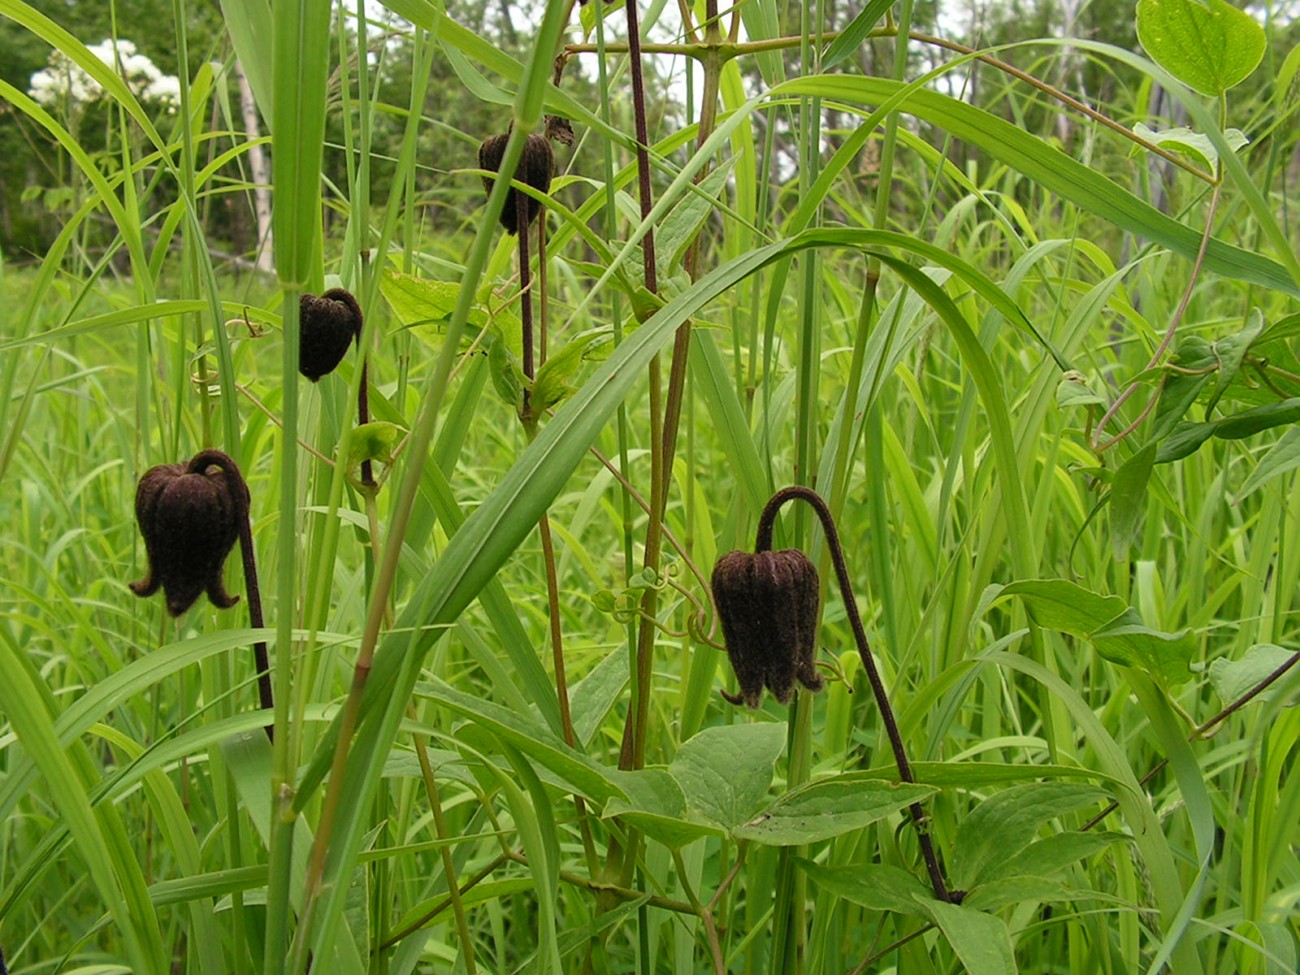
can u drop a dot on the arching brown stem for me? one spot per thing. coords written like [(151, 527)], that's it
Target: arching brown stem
[(216, 458), (763, 543)]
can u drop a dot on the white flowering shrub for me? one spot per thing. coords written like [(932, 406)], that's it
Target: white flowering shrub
[(65, 83)]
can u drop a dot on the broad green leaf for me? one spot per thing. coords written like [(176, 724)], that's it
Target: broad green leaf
[(656, 806), (1007, 822), (1209, 45), (1165, 656), (1265, 948), (299, 69), (981, 941), (1189, 143), (1113, 628), (1128, 496), (473, 79), (1180, 387), (1287, 327), (1230, 351), (851, 38), (591, 698), (1233, 678), (1187, 437), (994, 894), (1183, 441), (645, 303), (373, 441), (725, 772), (1282, 457), (1052, 854), (507, 375), (554, 382), (876, 886), (674, 235), (425, 307), (828, 808), (1059, 604), (1238, 426)]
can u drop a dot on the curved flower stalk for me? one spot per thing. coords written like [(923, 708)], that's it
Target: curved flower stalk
[(190, 516), (767, 603)]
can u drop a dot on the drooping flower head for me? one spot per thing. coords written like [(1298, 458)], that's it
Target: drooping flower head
[(327, 325), (534, 169), (767, 603), (189, 515)]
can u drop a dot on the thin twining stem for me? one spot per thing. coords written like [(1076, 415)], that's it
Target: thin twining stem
[(1202, 730), (763, 543), (1098, 444)]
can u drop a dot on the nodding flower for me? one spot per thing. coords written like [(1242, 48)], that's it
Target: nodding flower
[(534, 169), (327, 325), (767, 604), (189, 515)]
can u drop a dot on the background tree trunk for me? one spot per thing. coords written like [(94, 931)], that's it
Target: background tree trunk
[(260, 170)]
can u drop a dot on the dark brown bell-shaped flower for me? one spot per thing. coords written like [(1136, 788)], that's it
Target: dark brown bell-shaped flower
[(534, 169), (768, 602), (328, 325), (189, 516)]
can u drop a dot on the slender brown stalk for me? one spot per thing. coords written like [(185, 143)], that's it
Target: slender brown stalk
[(763, 543), (363, 417), (632, 753), (705, 914), (525, 292)]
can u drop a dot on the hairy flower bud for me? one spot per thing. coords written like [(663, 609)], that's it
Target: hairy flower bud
[(767, 603), (327, 326), (189, 516), (534, 169)]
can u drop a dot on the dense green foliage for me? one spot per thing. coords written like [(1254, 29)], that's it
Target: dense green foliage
[(1028, 322)]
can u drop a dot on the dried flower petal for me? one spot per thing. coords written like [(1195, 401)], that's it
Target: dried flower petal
[(327, 326), (189, 516), (767, 603), (534, 169)]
